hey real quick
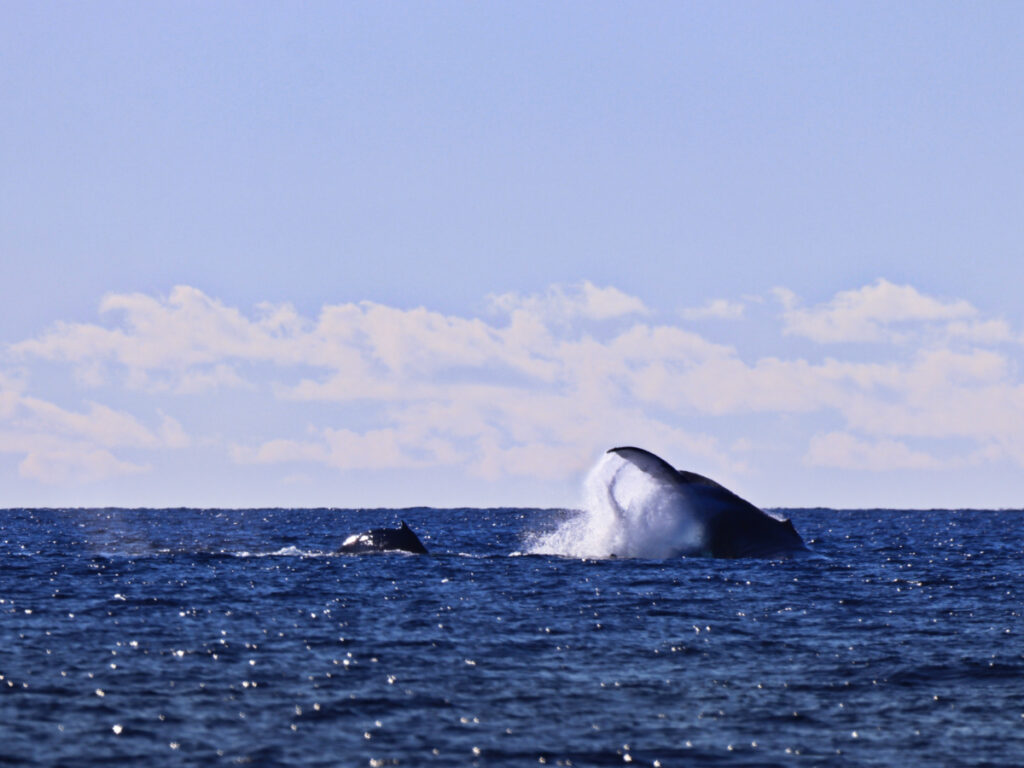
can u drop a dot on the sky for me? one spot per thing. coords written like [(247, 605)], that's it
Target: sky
[(398, 254)]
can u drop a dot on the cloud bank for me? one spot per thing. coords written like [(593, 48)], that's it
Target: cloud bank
[(890, 379)]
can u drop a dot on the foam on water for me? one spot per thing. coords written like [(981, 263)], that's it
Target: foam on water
[(626, 513), (288, 551)]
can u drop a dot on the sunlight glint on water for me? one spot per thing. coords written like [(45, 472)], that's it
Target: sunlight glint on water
[(187, 637)]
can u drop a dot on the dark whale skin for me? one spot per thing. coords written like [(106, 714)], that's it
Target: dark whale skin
[(733, 526), (400, 539)]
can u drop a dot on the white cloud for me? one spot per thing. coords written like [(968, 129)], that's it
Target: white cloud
[(981, 331), (279, 451), (879, 312), (172, 434), (62, 446), (190, 343), (100, 425), (585, 301), (606, 303), (195, 381), (183, 342), (76, 465), (387, 448), (721, 309), (539, 391), (840, 450), (12, 382), (492, 431)]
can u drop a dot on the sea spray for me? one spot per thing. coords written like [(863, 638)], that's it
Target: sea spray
[(626, 513)]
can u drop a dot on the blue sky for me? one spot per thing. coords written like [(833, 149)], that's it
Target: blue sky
[(388, 254)]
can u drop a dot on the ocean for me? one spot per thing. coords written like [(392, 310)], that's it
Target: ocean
[(226, 637)]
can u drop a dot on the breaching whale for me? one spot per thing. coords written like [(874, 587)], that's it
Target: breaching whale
[(384, 540), (637, 505), (694, 514)]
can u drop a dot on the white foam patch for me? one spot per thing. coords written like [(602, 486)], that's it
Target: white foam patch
[(289, 551), (626, 513)]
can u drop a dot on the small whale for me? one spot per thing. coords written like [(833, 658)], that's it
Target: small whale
[(696, 515), (384, 540)]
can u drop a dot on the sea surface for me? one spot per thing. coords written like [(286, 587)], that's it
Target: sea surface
[(222, 637)]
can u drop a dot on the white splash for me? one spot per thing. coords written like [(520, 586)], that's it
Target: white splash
[(289, 551), (626, 513)]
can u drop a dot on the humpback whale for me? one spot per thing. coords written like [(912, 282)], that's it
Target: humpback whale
[(637, 505), (384, 540), (703, 517)]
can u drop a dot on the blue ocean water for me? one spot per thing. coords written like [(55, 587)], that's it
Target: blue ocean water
[(208, 637)]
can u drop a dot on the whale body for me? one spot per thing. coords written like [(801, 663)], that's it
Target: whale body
[(694, 514), (384, 540), (637, 505)]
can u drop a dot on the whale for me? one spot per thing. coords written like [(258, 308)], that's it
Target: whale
[(401, 539), (683, 513), (637, 505)]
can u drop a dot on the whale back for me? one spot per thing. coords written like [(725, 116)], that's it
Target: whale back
[(401, 539)]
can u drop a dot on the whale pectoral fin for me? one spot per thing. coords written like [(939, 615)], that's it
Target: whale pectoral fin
[(647, 462)]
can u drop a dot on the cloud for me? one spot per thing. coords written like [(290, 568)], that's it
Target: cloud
[(76, 465), (721, 309), (172, 434), (585, 301), (345, 449), (61, 446), (100, 425), (840, 450), (879, 312), (191, 343), (981, 331), (492, 432), (12, 382), (181, 343), (537, 389)]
